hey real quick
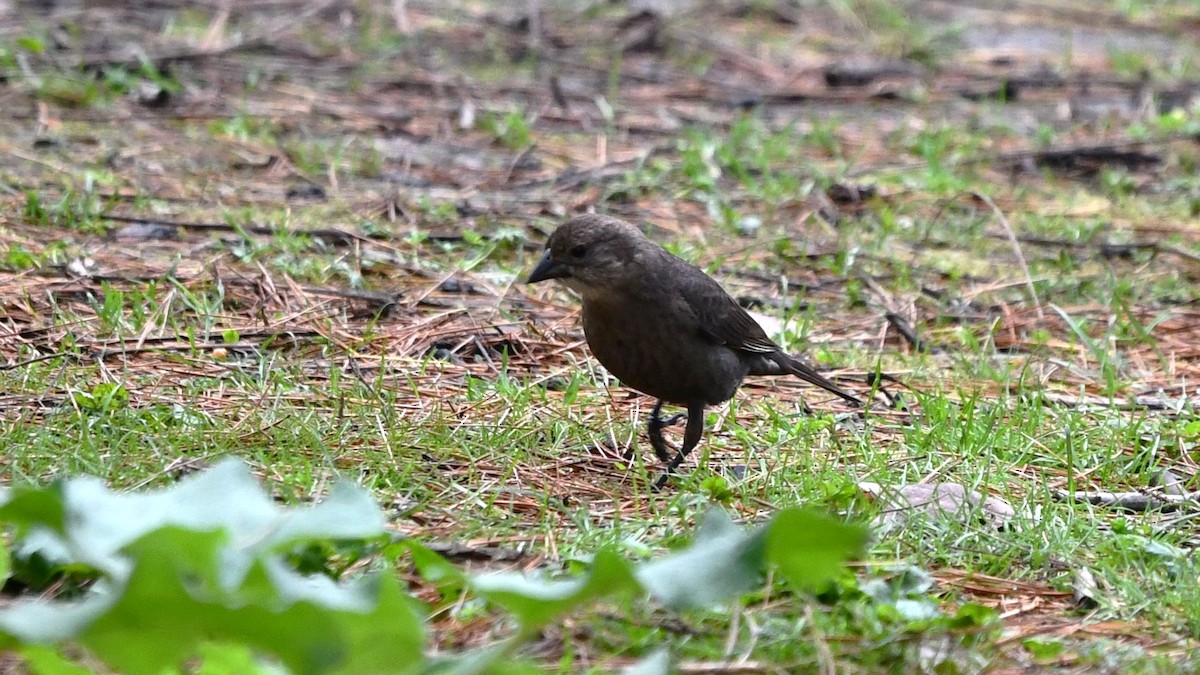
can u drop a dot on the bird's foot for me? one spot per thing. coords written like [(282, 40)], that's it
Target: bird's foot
[(655, 429), (669, 471), (674, 419)]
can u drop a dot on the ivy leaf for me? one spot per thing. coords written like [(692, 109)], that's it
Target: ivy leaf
[(205, 561), (724, 561), (536, 602), (811, 548)]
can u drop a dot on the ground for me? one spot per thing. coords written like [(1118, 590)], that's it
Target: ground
[(296, 232)]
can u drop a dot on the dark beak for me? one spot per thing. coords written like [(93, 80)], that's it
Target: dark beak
[(548, 268)]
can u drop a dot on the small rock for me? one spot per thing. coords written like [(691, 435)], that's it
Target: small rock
[(938, 500), (81, 267), (1085, 589), (147, 231)]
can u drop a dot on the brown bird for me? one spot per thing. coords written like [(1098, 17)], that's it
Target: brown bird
[(661, 325)]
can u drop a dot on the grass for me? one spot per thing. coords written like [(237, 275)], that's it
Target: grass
[(470, 407)]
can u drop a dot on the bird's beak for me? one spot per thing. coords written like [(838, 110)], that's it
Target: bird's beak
[(548, 268)]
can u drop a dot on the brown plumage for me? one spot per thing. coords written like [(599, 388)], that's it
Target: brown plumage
[(661, 325)]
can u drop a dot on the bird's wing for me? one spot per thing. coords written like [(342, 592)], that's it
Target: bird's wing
[(721, 319), (724, 321)]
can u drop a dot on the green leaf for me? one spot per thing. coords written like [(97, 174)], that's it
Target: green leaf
[(724, 561), (391, 637), (31, 44), (226, 658), (48, 661), (435, 569), (1043, 650), (536, 602), (5, 565), (103, 397), (102, 523), (974, 615), (30, 507), (810, 548), (176, 598), (1191, 429), (204, 561)]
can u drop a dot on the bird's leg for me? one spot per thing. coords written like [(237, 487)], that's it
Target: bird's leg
[(655, 427), (654, 430), (691, 438), (670, 421)]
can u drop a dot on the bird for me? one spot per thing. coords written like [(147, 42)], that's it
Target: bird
[(661, 325)]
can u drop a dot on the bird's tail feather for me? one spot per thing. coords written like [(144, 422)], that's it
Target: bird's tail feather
[(795, 367)]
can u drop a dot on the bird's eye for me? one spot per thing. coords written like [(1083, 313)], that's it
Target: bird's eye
[(578, 251)]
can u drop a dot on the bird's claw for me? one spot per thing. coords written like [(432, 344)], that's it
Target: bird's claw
[(673, 419), (672, 460), (655, 428), (661, 450), (672, 465)]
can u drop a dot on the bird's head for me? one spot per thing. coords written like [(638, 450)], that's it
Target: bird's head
[(594, 256)]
